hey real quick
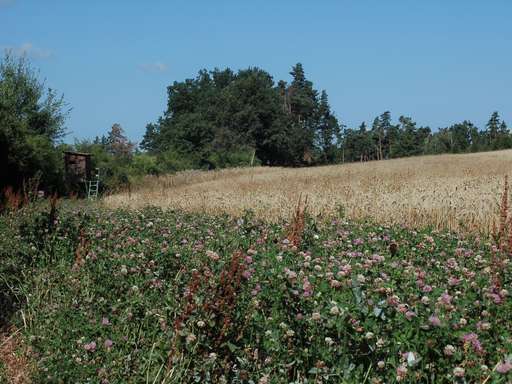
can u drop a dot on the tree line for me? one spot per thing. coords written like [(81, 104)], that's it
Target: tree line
[(385, 140), (224, 118), (221, 118), (217, 119)]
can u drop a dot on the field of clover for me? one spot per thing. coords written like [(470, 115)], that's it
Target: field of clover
[(151, 296)]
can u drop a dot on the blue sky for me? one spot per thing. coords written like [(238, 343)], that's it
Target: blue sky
[(437, 61)]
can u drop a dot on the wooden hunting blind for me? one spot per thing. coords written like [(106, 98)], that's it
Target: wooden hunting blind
[(77, 166)]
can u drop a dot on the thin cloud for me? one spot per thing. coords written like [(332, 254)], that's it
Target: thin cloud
[(29, 50), (157, 66)]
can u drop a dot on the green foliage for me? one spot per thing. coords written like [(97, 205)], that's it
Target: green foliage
[(30, 238), (173, 161), (114, 156), (386, 140), (237, 158), (118, 145), (329, 133), (120, 166), (218, 119), (220, 113), (153, 296), (145, 164), (31, 123), (497, 135)]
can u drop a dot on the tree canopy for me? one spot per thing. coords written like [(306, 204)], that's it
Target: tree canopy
[(31, 125), (220, 117)]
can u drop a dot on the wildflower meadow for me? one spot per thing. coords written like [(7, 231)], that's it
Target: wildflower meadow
[(151, 296)]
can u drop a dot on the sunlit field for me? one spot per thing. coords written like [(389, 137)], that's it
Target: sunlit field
[(255, 192), (457, 192), (149, 296)]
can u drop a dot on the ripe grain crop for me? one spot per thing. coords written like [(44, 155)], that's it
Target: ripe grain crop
[(456, 192)]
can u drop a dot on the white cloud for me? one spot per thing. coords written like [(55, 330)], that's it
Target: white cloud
[(157, 66), (29, 50)]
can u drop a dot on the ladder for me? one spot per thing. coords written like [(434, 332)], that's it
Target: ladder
[(92, 186)]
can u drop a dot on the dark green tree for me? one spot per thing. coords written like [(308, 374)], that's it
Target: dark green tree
[(221, 118), (461, 137), (31, 126), (504, 139), (379, 132), (328, 131), (497, 134), (303, 101), (150, 141), (410, 140), (493, 126)]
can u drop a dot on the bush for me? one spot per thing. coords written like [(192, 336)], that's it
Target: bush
[(172, 161), (235, 158), (145, 164)]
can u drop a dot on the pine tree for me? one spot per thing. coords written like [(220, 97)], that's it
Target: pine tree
[(460, 137), (283, 93), (151, 137), (303, 107), (504, 139), (492, 130), (118, 144), (328, 130), (384, 127), (375, 137), (364, 146), (408, 143)]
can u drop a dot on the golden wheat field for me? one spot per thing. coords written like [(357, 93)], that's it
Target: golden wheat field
[(457, 192)]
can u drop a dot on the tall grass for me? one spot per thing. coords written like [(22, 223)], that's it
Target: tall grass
[(456, 192)]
